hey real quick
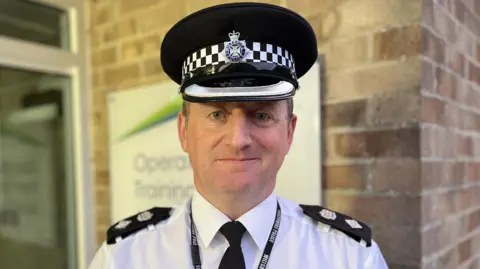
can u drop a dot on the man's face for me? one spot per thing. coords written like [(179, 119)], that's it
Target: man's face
[(236, 148)]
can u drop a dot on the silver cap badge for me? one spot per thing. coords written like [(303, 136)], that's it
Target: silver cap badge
[(235, 50)]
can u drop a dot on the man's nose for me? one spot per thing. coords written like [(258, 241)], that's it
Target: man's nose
[(238, 131)]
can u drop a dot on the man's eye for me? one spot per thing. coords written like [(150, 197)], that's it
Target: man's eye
[(262, 116), (217, 115)]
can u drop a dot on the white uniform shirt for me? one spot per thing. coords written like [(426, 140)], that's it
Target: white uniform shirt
[(301, 243)]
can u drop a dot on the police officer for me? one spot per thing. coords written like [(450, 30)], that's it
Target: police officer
[(238, 67)]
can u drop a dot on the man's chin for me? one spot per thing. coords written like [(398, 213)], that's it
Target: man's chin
[(237, 181), (238, 166)]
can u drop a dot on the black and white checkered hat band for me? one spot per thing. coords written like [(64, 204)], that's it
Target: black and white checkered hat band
[(259, 52)]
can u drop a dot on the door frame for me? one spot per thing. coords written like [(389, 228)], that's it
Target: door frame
[(74, 63)]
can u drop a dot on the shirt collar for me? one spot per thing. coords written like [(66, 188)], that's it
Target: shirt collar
[(258, 221), (208, 219)]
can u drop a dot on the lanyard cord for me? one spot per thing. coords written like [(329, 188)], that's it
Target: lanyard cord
[(195, 250)]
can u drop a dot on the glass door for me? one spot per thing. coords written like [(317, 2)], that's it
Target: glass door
[(34, 178), (46, 210)]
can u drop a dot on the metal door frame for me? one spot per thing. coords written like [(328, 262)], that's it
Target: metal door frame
[(75, 64)]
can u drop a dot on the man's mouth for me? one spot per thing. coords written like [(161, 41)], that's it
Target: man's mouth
[(237, 159)]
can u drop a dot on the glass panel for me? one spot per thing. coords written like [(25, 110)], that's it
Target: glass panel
[(34, 22), (35, 183)]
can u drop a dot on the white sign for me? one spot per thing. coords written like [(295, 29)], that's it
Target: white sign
[(28, 178), (148, 167)]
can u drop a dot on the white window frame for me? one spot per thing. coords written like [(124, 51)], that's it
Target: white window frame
[(75, 64)]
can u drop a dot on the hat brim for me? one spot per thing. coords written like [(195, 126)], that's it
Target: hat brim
[(279, 91)]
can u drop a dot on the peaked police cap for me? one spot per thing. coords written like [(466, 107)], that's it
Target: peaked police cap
[(239, 52)]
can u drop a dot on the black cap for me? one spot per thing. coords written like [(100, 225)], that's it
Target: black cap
[(239, 52)]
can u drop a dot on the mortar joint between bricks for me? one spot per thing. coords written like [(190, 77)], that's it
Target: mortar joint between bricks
[(446, 249), (369, 184)]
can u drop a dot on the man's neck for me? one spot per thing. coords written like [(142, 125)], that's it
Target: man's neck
[(234, 206)]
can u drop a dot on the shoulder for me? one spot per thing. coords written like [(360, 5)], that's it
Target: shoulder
[(349, 226), (135, 223), (335, 222)]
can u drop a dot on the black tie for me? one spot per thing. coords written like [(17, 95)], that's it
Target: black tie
[(233, 257)]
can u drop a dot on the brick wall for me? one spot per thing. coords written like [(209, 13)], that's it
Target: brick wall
[(371, 117), (389, 109), (450, 151)]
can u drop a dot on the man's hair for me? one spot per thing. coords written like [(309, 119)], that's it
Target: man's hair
[(185, 110)]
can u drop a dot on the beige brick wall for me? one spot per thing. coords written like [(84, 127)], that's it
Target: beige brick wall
[(451, 134), (372, 107), (371, 117)]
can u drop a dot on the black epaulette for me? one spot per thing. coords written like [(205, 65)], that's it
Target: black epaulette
[(351, 227), (135, 223)]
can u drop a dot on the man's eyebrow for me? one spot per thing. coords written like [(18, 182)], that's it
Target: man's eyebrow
[(214, 105), (267, 105)]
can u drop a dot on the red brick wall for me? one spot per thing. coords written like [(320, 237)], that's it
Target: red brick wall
[(450, 151)]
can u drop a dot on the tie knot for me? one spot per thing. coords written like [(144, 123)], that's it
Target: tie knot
[(233, 232)]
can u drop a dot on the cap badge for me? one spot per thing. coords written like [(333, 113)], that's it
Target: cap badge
[(235, 50)]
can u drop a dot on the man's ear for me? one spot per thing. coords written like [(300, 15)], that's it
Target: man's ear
[(182, 130)]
